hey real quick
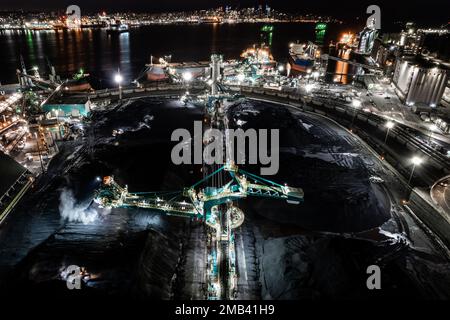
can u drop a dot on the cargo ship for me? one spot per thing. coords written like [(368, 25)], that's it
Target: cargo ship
[(157, 72), (79, 82), (120, 29), (301, 58)]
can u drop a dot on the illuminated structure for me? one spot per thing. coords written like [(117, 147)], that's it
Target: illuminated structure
[(198, 204), (411, 40), (67, 106), (256, 61), (366, 40), (347, 40), (320, 31), (384, 54), (212, 205), (216, 64), (267, 34), (420, 81)]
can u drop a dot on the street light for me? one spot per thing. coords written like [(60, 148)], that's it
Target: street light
[(309, 87), (39, 151), (389, 125), (432, 128), (118, 79), (416, 161), (316, 75), (187, 76), (356, 103)]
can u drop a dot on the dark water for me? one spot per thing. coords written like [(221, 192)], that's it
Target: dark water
[(101, 54)]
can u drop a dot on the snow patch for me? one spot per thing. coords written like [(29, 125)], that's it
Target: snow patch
[(305, 125), (73, 212), (393, 237)]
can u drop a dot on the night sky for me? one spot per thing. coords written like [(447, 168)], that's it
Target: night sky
[(433, 12)]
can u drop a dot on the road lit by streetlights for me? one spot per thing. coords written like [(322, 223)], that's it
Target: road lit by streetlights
[(432, 128), (119, 79), (389, 125), (356, 105), (416, 161)]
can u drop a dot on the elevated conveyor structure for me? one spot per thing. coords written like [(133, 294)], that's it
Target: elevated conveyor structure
[(195, 202)]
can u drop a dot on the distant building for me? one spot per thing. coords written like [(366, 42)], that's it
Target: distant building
[(420, 81), (366, 40), (428, 41), (410, 40)]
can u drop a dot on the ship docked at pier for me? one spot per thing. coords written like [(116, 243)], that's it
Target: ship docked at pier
[(302, 57), (122, 28)]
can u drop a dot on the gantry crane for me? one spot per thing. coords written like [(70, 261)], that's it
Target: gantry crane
[(199, 204)]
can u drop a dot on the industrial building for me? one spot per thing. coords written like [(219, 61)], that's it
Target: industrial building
[(67, 106), (411, 40), (420, 81), (366, 40)]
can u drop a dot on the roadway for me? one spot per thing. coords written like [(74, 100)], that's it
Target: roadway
[(440, 193)]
